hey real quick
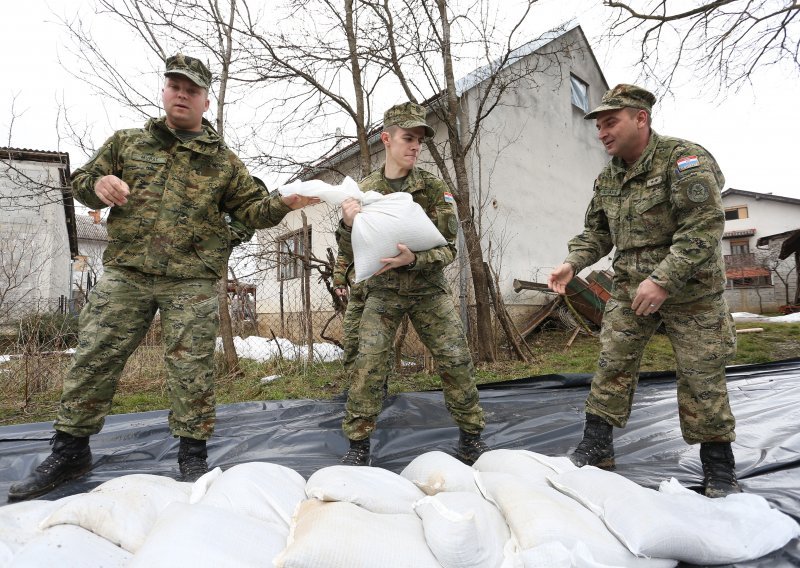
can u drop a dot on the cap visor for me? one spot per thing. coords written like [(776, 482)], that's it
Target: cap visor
[(192, 77), (601, 108)]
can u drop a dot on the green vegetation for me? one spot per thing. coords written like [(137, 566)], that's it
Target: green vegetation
[(142, 385)]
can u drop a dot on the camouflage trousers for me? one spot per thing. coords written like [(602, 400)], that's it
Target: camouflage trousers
[(113, 323), (703, 337), (350, 325), (436, 321)]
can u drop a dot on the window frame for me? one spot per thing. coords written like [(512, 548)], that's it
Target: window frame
[(290, 251), (574, 81)]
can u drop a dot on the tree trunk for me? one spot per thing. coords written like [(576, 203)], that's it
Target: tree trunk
[(226, 328)]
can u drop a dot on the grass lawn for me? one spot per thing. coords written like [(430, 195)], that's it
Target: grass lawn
[(142, 385)]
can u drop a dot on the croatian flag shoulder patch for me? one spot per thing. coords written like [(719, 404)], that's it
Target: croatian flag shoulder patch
[(448, 197), (687, 162)]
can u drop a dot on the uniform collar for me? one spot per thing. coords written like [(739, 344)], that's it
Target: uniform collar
[(208, 142), (643, 165), (413, 182)]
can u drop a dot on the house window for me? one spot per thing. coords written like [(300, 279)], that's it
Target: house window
[(750, 282), (580, 93), (291, 249), (740, 247), (733, 213)]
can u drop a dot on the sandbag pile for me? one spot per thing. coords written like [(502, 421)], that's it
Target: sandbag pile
[(512, 509)]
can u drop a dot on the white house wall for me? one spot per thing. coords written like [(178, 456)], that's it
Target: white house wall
[(537, 161), (35, 227)]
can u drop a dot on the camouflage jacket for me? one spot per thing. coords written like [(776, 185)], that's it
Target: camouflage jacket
[(174, 221), (428, 272), (665, 217)]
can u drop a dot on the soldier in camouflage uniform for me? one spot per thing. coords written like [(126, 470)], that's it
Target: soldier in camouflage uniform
[(170, 186), (658, 202), (414, 284)]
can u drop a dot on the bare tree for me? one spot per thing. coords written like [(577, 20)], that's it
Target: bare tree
[(724, 39), (782, 269)]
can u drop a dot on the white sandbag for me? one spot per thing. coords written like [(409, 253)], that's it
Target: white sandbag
[(333, 194), (463, 530), (199, 536), (68, 546), (537, 514), (530, 465), (373, 488), (343, 535), (264, 491), (19, 523), (676, 522), (437, 471), (382, 224), (122, 510), (201, 485), (556, 555)]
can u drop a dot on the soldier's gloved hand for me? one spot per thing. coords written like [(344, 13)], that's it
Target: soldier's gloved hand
[(111, 190), (405, 258), (649, 297)]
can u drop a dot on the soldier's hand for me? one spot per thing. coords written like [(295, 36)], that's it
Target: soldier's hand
[(295, 201), (111, 190), (649, 297), (560, 277), (405, 258), (342, 292), (350, 208)]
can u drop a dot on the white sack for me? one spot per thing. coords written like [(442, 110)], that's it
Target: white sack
[(343, 535), (19, 523), (122, 510), (264, 491), (68, 546), (198, 536), (373, 488), (537, 514), (556, 555), (381, 225), (437, 471), (201, 485), (463, 530), (530, 465), (333, 194), (676, 522)]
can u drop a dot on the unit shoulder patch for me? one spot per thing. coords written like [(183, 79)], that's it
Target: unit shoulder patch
[(697, 193), (448, 197)]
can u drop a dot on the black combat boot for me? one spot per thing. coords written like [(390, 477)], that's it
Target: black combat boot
[(70, 458), (192, 456), (719, 477), (470, 447), (358, 454), (597, 446)]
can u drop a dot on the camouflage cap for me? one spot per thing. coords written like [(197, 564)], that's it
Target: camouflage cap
[(407, 115), (189, 67), (624, 96)]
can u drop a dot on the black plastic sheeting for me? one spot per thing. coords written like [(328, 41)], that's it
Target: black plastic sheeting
[(543, 414)]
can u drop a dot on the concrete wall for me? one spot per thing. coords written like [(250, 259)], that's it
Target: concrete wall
[(33, 236)]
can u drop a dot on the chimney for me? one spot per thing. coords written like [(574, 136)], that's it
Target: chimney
[(94, 214)]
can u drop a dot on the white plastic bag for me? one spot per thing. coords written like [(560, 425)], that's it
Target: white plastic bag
[(383, 224)]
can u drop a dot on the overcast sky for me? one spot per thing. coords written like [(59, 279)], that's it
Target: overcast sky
[(752, 133)]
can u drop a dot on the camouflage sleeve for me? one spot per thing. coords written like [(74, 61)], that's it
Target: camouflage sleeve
[(240, 233), (344, 257), (340, 270), (595, 240), (104, 162), (696, 181), (250, 204), (443, 214)]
